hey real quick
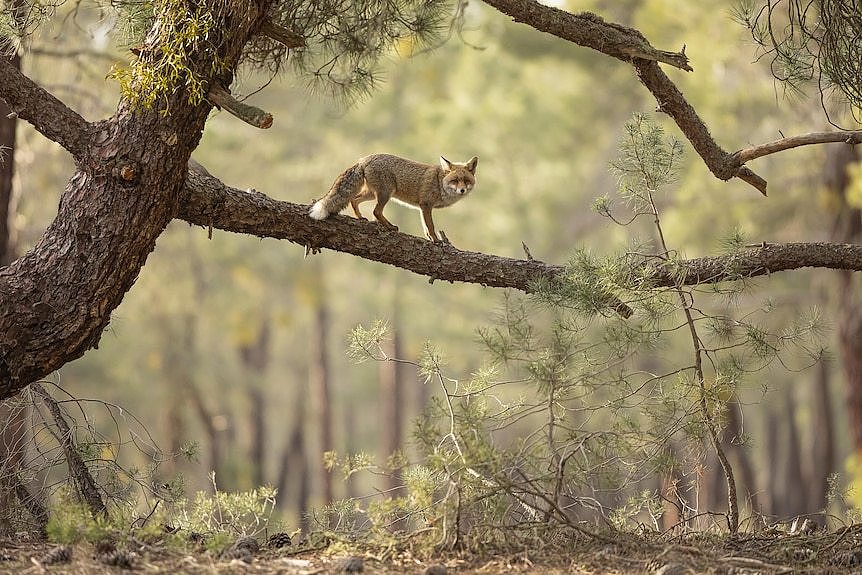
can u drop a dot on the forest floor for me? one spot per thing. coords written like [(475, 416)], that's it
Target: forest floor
[(828, 553)]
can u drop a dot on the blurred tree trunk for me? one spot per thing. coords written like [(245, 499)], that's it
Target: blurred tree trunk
[(13, 415), (775, 484), (821, 461), (392, 393), (846, 229), (294, 464), (350, 432), (180, 360), (734, 446), (256, 358), (319, 376), (795, 492)]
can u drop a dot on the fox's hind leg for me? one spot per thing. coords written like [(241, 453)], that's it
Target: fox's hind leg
[(382, 191), (363, 196)]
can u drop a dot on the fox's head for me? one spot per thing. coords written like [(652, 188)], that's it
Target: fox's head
[(458, 178)]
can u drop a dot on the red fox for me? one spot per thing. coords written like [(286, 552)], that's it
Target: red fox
[(384, 177)]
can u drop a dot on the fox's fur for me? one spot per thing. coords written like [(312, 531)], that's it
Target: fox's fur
[(383, 177)]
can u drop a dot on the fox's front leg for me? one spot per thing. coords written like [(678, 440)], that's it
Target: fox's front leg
[(428, 224)]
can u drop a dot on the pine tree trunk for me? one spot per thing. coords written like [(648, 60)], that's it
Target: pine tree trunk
[(256, 358), (56, 300), (821, 460), (392, 395), (319, 379), (8, 126)]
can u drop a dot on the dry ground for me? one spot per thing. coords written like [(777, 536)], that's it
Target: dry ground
[(828, 553)]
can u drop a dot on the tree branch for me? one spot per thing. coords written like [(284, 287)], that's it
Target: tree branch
[(281, 34), (629, 45), (847, 137), (209, 203), (589, 30), (51, 117), (221, 97)]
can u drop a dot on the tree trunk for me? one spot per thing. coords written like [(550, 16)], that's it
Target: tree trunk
[(795, 494), (392, 395), (256, 358), (319, 378), (8, 125), (56, 300), (847, 228), (732, 440), (295, 468), (821, 460), (775, 482)]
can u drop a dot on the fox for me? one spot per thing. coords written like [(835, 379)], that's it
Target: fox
[(385, 177)]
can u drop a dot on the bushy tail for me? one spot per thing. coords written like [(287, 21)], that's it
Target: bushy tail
[(345, 187)]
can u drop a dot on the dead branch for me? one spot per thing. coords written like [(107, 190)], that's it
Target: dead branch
[(251, 115), (281, 34), (630, 46), (77, 468), (847, 137)]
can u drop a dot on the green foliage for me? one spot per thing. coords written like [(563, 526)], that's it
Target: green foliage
[(186, 30), (72, 522), (231, 514), (810, 42), (345, 40)]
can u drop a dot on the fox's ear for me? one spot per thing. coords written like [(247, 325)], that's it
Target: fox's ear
[(471, 165), (445, 164)]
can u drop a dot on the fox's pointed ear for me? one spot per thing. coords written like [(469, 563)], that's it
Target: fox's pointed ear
[(445, 164), (471, 165)]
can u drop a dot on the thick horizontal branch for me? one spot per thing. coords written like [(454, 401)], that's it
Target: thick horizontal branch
[(51, 117), (748, 154), (762, 260), (209, 203)]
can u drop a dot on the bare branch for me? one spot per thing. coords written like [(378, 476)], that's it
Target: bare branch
[(281, 34), (87, 486), (209, 203), (748, 154), (589, 30), (629, 45), (51, 117), (251, 115)]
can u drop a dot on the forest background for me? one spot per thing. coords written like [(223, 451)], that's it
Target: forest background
[(239, 344)]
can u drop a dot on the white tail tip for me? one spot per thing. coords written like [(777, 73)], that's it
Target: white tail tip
[(317, 211)]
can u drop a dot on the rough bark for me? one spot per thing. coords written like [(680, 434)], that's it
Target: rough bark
[(130, 181), (209, 203), (56, 300)]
